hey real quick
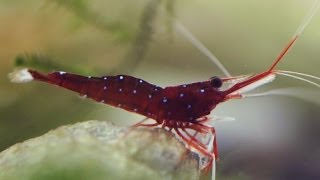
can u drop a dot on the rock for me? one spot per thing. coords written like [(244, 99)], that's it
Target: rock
[(98, 150)]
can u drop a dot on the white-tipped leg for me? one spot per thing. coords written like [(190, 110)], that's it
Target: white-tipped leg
[(20, 76), (213, 174), (211, 149)]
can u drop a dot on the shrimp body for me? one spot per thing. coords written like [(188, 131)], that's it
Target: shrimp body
[(183, 103), (183, 107)]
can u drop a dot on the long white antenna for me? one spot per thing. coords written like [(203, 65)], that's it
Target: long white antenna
[(308, 17), (314, 8), (199, 45), (299, 73), (299, 78), (295, 92)]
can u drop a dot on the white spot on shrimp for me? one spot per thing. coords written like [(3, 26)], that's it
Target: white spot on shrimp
[(184, 85), (104, 78), (135, 109), (189, 106), (121, 77), (181, 94), (134, 91), (102, 101), (140, 81), (105, 87), (84, 96), (164, 100), (119, 105), (120, 90), (150, 96), (148, 114), (202, 90), (89, 77), (61, 72)]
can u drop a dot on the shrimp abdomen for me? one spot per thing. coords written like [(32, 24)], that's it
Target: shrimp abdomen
[(123, 91)]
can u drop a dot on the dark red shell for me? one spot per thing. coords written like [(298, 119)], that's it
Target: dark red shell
[(184, 103), (187, 103), (122, 91)]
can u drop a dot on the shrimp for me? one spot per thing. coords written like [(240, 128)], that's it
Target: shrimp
[(181, 108)]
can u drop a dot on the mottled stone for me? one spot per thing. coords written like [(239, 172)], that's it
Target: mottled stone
[(99, 150)]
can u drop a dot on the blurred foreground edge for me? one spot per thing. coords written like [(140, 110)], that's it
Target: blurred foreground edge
[(99, 150)]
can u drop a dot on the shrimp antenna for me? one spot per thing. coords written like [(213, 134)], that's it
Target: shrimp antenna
[(291, 74), (299, 31), (295, 92), (200, 46), (300, 74), (299, 78), (308, 17)]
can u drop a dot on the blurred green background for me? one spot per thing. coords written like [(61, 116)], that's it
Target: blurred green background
[(273, 137)]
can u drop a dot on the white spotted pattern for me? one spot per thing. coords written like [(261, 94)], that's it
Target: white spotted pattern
[(164, 100), (84, 96)]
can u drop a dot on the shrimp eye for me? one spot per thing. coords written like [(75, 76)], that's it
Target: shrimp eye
[(216, 82)]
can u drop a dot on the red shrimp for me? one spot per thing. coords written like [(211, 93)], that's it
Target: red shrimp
[(178, 108)]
